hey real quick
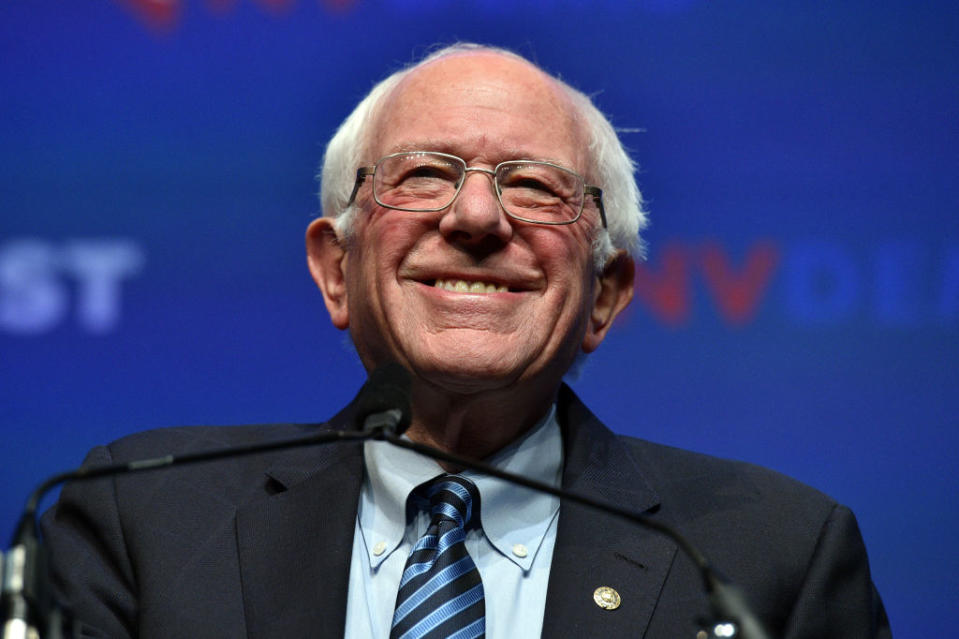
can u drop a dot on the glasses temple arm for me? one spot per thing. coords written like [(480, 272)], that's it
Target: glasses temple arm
[(597, 195), (361, 174)]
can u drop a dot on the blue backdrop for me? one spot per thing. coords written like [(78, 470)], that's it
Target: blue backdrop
[(800, 304)]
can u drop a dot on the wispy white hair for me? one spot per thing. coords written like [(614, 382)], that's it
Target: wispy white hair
[(610, 165)]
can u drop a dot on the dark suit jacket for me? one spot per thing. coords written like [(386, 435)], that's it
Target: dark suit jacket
[(260, 546)]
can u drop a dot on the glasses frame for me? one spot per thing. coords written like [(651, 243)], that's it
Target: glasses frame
[(590, 191)]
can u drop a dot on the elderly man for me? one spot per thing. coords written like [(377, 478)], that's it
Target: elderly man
[(479, 217)]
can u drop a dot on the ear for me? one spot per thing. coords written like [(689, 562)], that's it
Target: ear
[(614, 290), (326, 257)]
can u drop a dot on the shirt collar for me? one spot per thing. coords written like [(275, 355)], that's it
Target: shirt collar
[(515, 519)]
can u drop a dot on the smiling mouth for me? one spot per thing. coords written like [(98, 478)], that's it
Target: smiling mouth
[(469, 286)]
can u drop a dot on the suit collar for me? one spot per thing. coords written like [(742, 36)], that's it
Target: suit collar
[(299, 464), (597, 462), (295, 543), (593, 549)]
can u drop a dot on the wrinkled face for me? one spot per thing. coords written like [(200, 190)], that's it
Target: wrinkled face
[(468, 298)]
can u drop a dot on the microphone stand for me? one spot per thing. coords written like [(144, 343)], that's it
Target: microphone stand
[(731, 614), (26, 600), (30, 611), (28, 607)]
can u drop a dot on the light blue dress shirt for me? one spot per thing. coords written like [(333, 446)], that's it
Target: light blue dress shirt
[(513, 551)]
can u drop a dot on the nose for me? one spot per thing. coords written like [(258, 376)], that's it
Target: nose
[(475, 218)]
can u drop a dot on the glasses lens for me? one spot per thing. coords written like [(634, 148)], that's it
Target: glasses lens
[(417, 181), (540, 192)]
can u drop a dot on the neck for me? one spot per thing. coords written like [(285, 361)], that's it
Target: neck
[(475, 424)]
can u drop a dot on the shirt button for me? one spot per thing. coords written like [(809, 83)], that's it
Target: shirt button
[(520, 550), (379, 548)]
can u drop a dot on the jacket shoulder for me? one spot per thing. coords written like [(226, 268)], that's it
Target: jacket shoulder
[(697, 484), (184, 439)]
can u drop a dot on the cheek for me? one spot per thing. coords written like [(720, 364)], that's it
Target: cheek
[(565, 253), (575, 241), (572, 296), (394, 237)]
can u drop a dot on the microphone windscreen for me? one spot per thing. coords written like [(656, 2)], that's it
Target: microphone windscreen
[(387, 388)]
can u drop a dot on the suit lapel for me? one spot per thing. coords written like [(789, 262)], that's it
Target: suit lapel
[(594, 550), (295, 545)]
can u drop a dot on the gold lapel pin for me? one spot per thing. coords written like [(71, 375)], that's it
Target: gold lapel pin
[(607, 598)]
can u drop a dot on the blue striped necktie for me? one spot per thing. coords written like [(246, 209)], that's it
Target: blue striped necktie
[(441, 594)]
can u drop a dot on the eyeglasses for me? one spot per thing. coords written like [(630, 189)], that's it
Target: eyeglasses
[(528, 190)]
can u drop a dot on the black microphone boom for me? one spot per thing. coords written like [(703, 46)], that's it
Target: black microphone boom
[(381, 411), (382, 407), (386, 390), (383, 404)]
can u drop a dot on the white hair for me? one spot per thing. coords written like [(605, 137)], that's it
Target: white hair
[(610, 164)]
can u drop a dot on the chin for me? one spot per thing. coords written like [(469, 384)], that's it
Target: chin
[(466, 374)]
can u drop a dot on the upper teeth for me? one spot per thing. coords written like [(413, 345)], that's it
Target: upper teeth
[(462, 286)]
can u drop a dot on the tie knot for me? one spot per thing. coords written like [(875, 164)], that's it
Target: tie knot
[(451, 497)]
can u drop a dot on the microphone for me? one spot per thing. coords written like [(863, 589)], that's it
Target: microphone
[(381, 409), (383, 404)]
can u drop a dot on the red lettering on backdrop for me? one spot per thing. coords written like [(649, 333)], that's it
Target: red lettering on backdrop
[(737, 292), (665, 291), (162, 14)]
